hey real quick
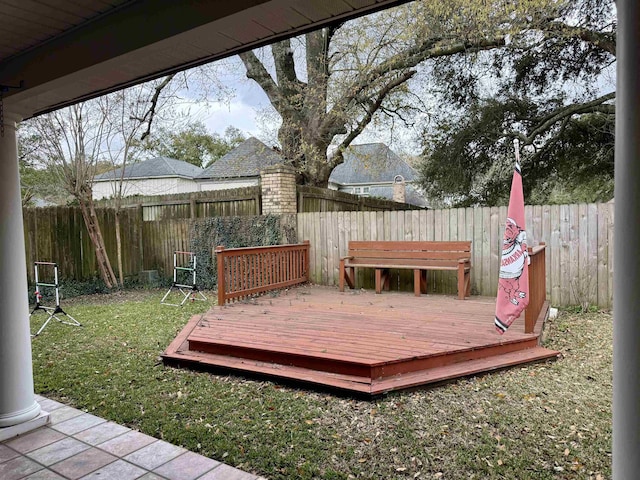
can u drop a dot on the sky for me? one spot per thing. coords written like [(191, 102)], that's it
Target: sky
[(246, 107)]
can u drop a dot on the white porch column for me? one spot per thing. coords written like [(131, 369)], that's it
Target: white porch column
[(17, 402), (626, 273)]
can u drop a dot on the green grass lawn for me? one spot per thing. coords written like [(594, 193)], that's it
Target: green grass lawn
[(544, 421)]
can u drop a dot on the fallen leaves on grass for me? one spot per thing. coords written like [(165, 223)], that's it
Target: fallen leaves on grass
[(542, 421)]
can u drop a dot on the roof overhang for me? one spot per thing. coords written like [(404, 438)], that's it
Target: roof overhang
[(126, 179), (58, 53), (387, 183)]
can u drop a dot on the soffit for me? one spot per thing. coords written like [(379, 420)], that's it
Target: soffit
[(65, 51)]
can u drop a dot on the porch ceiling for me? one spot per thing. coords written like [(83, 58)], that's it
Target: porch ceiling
[(64, 51)]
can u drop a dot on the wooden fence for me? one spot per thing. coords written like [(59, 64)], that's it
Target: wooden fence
[(579, 239), (212, 203), (313, 199), (58, 234)]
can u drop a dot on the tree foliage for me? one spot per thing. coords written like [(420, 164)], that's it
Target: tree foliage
[(546, 87), (37, 182), (193, 144)]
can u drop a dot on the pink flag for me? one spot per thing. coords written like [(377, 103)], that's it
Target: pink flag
[(513, 282)]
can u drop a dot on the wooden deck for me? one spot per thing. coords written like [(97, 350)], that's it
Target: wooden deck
[(355, 341)]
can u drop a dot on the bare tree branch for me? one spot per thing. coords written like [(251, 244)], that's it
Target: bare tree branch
[(428, 49), (148, 117), (603, 40), (258, 73), (371, 108), (565, 112)]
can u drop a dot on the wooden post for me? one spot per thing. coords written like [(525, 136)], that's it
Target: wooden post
[(140, 226), (537, 287), (221, 281), (258, 201), (307, 259), (300, 200)]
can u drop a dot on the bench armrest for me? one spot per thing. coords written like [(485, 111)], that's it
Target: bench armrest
[(350, 257), (464, 260)]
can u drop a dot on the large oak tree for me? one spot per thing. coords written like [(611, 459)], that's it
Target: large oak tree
[(500, 70), (348, 73)]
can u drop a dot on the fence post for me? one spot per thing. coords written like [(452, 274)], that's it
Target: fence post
[(221, 285), (140, 226), (300, 206), (258, 200), (278, 184), (307, 254)]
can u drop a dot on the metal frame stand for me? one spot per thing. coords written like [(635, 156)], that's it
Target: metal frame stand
[(188, 291), (52, 311)]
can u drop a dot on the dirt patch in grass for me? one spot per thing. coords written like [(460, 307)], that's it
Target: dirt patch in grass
[(543, 421)]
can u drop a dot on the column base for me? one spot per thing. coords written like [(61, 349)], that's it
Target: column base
[(16, 418), (40, 420)]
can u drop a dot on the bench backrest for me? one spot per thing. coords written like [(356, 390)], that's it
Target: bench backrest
[(445, 253)]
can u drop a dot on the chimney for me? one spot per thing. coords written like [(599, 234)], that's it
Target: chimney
[(399, 190)]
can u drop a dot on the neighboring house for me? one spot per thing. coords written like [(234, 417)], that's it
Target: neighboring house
[(371, 170), (240, 167), (156, 176)]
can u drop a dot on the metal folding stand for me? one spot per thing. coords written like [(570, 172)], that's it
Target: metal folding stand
[(52, 311), (188, 291)]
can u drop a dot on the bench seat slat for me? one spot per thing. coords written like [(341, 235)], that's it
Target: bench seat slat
[(411, 245), (406, 266), (401, 263), (414, 254)]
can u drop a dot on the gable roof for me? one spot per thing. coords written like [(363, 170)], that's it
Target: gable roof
[(371, 163), (246, 160), (152, 168)]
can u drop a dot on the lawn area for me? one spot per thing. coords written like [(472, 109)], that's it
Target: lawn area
[(544, 421)]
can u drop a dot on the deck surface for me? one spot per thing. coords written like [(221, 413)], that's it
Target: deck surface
[(356, 340)]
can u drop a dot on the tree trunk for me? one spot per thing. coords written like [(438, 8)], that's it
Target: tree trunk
[(119, 247), (91, 222)]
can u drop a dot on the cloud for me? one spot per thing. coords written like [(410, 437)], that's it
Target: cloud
[(237, 114)]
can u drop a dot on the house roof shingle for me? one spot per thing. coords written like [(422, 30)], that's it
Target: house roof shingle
[(371, 163), (153, 168), (246, 160)]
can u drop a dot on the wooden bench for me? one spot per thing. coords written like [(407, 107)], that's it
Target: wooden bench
[(416, 256)]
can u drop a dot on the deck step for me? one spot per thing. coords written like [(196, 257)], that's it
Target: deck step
[(288, 372), (322, 358), (462, 369), (363, 385)]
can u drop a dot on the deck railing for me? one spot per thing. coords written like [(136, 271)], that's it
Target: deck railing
[(537, 287), (248, 271)]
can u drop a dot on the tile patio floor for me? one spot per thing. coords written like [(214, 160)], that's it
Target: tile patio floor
[(78, 445)]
